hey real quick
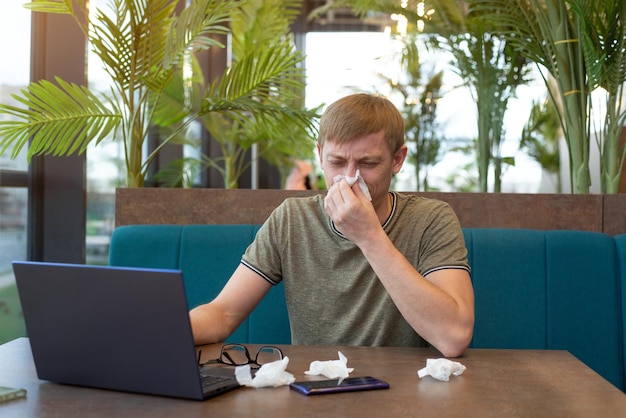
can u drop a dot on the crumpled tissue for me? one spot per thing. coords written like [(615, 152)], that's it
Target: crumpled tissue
[(441, 369), (332, 369), (352, 180), (272, 374)]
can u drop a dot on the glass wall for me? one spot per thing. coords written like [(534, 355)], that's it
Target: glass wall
[(341, 63), (105, 172), (337, 64), (14, 75)]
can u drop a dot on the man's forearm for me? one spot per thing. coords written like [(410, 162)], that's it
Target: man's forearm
[(441, 311)]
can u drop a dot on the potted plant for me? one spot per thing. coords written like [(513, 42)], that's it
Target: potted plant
[(257, 23), (492, 70), (490, 67), (147, 48), (582, 46)]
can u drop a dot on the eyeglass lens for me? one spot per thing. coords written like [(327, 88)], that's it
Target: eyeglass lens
[(237, 355), (267, 355)]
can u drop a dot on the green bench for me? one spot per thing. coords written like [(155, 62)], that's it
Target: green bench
[(561, 290)]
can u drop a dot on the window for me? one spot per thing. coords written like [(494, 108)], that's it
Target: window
[(14, 75)]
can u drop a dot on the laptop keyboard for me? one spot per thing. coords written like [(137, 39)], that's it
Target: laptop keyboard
[(210, 380)]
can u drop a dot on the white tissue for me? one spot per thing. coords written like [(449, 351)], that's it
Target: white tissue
[(441, 369), (352, 180), (332, 369), (272, 374)]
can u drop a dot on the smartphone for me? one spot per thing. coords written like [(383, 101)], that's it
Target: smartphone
[(7, 394), (349, 384)]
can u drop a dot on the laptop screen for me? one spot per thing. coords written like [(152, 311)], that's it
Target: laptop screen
[(109, 327)]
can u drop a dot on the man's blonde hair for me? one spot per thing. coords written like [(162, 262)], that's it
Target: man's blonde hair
[(361, 114)]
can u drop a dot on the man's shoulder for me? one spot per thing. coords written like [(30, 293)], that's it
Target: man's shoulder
[(412, 201), (302, 202), (301, 206), (420, 210)]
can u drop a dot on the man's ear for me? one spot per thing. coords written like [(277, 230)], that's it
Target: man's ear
[(319, 151), (398, 159)]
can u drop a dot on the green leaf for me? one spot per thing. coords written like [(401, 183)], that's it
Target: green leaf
[(196, 27), (59, 119), (52, 6)]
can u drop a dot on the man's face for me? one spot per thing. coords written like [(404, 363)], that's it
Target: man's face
[(370, 155)]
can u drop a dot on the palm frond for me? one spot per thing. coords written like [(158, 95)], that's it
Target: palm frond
[(78, 9), (59, 120), (65, 7), (180, 98), (196, 27), (516, 20), (243, 109), (112, 44), (260, 23), (450, 17), (150, 33), (604, 41), (256, 72), (131, 43)]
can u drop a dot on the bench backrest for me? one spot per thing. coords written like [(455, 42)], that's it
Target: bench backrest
[(207, 255), (549, 290)]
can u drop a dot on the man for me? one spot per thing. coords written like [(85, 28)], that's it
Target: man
[(390, 271)]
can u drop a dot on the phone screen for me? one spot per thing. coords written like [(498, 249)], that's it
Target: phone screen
[(349, 384)]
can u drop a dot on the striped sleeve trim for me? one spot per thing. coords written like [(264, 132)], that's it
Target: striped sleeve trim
[(445, 268), (260, 273)]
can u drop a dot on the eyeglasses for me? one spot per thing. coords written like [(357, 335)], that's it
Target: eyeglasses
[(238, 355)]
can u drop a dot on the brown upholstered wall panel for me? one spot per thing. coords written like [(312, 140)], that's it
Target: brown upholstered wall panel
[(601, 213)]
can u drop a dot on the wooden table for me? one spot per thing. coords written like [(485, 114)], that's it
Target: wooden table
[(502, 383)]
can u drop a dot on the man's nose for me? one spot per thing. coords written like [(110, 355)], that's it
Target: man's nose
[(351, 170)]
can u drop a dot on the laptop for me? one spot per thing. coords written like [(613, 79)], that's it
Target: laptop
[(117, 328)]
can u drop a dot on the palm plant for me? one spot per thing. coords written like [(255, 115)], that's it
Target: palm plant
[(540, 139), (146, 47), (547, 33), (256, 23), (422, 130), (420, 95), (492, 69), (603, 39)]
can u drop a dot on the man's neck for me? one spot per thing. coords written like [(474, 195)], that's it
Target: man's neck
[(384, 209)]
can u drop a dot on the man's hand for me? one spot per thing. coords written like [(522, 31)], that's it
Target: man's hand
[(351, 211)]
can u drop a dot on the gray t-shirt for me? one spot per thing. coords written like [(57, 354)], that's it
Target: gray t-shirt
[(333, 296)]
